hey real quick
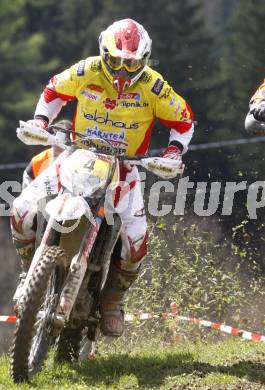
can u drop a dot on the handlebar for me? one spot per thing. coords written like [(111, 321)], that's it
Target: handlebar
[(30, 135)]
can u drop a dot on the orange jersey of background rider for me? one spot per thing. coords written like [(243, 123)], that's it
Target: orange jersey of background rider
[(126, 119), (254, 122), (259, 95), (39, 163)]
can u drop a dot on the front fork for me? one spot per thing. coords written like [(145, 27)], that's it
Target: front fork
[(78, 267)]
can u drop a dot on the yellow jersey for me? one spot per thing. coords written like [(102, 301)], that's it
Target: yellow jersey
[(126, 120)]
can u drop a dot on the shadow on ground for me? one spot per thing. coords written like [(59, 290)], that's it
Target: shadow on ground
[(152, 371)]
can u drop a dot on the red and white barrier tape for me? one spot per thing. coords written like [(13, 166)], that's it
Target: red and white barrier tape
[(8, 318), (213, 325), (173, 314)]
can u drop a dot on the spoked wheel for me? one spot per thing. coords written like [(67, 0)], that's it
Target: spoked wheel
[(33, 334)]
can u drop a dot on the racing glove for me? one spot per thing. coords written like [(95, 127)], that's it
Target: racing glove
[(39, 122), (173, 151), (258, 112)]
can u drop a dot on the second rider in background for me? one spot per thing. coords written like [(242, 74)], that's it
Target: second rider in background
[(43, 160), (255, 119)]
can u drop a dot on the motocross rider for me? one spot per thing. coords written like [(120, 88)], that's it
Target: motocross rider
[(255, 119), (119, 97), (44, 159)]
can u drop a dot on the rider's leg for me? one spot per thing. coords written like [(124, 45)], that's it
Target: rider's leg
[(127, 257), (23, 218), (23, 234)]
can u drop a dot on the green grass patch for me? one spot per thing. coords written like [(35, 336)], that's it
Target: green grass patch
[(207, 278), (229, 364)]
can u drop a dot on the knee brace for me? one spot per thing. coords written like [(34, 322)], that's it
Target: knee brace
[(133, 251), (22, 222)]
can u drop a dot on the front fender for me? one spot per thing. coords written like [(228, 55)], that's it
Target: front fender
[(69, 207)]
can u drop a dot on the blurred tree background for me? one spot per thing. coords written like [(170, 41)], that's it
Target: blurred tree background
[(211, 51)]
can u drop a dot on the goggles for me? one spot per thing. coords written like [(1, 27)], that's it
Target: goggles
[(117, 63)]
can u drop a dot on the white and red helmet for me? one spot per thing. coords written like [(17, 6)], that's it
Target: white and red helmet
[(125, 48)]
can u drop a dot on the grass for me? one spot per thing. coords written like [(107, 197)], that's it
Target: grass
[(208, 278), (228, 364)]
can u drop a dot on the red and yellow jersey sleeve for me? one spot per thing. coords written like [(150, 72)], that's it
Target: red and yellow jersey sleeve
[(171, 109), (64, 85), (67, 84), (168, 107)]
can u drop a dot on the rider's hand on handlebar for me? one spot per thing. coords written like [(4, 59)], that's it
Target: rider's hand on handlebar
[(258, 112), (42, 123), (172, 152)]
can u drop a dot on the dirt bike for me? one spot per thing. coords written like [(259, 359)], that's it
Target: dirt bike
[(59, 301)]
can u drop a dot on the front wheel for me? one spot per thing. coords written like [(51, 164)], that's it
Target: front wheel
[(33, 334)]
